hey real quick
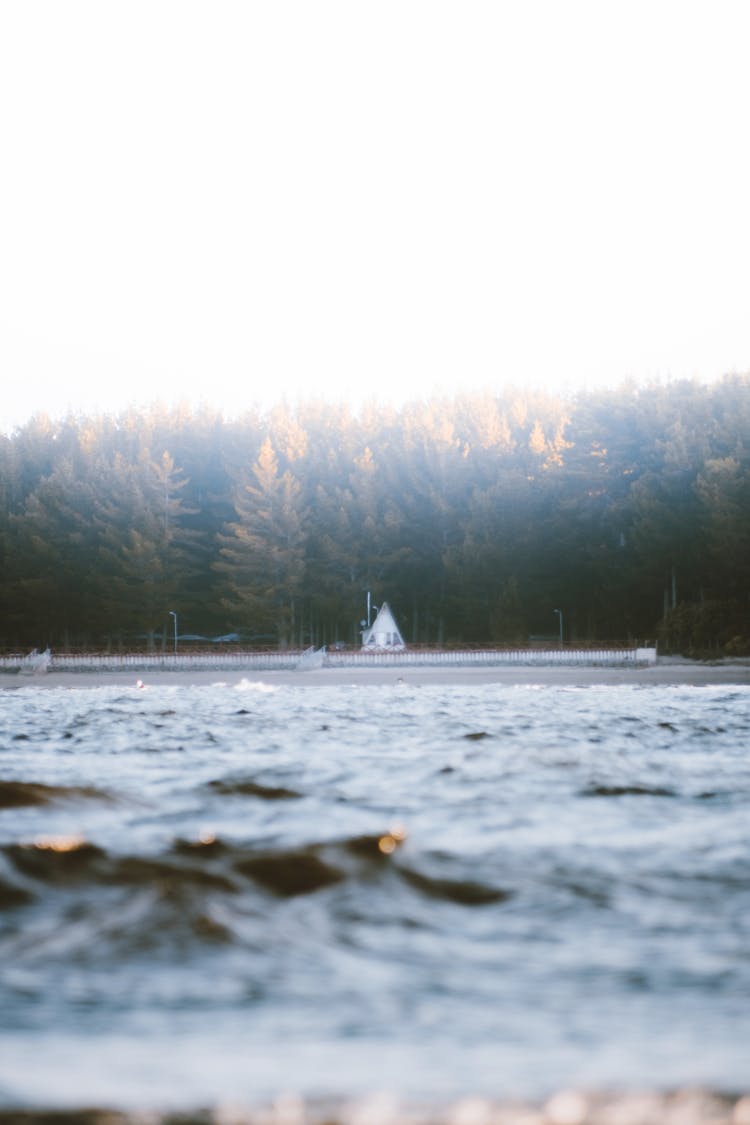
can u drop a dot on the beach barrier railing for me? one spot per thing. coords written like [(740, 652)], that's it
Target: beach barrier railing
[(492, 657), (144, 662), (321, 658)]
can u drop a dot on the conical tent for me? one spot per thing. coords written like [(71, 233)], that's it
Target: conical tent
[(383, 633)]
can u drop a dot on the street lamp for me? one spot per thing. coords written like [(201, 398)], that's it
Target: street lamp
[(174, 615), (559, 614)]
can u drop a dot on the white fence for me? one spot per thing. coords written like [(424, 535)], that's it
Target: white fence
[(320, 658), (488, 657), (139, 661)]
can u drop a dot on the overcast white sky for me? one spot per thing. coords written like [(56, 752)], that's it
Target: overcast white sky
[(228, 201)]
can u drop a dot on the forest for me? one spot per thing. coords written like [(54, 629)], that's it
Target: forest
[(476, 516)]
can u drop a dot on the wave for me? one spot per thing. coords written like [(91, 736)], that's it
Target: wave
[(12, 896), (627, 791), (195, 873), (246, 787), (19, 794), (290, 873), (464, 892)]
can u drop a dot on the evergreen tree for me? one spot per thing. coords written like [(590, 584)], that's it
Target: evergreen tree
[(475, 517), (144, 547), (262, 556)]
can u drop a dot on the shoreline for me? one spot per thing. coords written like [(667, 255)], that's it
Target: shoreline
[(682, 1106), (666, 672)]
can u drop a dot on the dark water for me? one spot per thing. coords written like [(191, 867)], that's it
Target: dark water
[(223, 892)]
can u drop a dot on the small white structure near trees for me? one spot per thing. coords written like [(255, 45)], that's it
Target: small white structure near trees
[(383, 633)]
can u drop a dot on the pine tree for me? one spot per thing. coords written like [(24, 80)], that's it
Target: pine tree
[(262, 552), (144, 546)]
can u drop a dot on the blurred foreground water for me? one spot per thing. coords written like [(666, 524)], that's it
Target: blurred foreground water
[(238, 893)]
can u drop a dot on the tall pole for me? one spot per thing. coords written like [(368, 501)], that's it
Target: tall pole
[(559, 614), (174, 615)]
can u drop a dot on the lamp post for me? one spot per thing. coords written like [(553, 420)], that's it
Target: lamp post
[(174, 615), (559, 614)]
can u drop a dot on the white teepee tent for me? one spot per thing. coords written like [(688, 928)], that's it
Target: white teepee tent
[(383, 633)]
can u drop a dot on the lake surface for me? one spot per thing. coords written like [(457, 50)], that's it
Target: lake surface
[(224, 892)]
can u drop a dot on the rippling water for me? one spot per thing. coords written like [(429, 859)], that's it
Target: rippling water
[(234, 891)]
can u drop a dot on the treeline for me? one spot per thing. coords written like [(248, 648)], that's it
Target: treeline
[(476, 517)]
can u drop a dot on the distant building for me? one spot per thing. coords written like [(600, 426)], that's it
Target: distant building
[(383, 633)]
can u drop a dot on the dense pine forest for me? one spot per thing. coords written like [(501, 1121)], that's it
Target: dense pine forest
[(475, 516)]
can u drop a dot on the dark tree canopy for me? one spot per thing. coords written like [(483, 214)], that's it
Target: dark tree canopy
[(476, 517)]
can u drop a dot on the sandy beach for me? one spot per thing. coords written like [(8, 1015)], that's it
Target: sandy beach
[(665, 672)]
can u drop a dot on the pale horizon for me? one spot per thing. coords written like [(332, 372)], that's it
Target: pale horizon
[(232, 205)]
